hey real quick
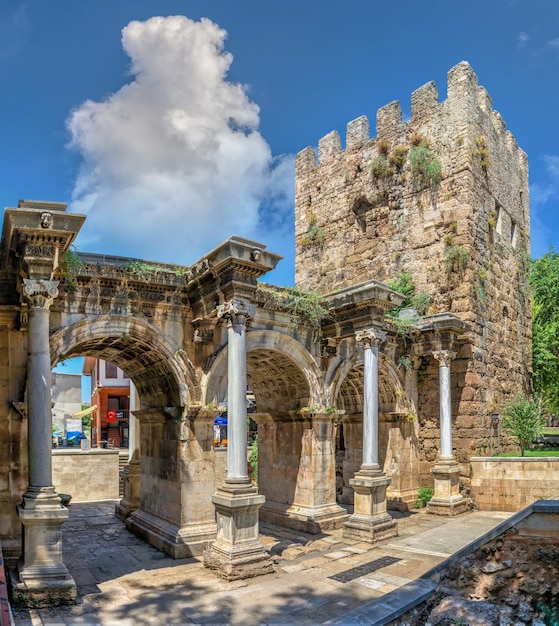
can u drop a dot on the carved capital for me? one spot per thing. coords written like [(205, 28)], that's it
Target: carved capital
[(444, 357), (370, 337), (235, 312), (40, 293)]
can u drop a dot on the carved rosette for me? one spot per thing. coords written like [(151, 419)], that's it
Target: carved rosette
[(235, 312), (370, 337), (40, 293), (444, 357)]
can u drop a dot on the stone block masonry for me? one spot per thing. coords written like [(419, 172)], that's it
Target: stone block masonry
[(443, 197), (86, 476)]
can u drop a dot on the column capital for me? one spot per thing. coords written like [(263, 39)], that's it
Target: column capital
[(370, 337), (235, 312), (40, 293), (444, 357)]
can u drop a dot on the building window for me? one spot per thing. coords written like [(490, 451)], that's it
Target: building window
[(111, 370)]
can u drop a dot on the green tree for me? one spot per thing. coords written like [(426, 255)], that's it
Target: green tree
[(544, 283), (523, 419)]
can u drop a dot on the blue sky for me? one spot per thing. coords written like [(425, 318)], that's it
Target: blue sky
[(173, 134)]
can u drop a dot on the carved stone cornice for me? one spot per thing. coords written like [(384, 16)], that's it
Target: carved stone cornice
[(235, 312), (444, 357), (39, 293), (370, 337)]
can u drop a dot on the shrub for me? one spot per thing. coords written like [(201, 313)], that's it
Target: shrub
[(524, 420), (424, 495)]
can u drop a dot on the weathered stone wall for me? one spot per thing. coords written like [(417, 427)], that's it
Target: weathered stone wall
[(510, 484), (13, 433), (365, 212), (86, 475)]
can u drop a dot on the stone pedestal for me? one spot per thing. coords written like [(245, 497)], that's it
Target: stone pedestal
[(42, 578), (237, 552), (370, 522), (131, 481), (447, 499)]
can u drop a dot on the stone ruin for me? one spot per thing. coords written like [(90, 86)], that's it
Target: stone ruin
[(462, 232), (388, 403)]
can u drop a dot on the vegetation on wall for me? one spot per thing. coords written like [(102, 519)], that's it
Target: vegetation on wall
[(71, 265), (143, 270), (544, 283), (403, 283), (315, 234), (303, 306), (426, 167), (456, 256), (481, 152)]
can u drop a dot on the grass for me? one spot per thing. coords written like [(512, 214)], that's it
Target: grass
[(532, 453)]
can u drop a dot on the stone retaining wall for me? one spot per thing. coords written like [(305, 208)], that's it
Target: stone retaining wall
[(86, 475), (510, 484)]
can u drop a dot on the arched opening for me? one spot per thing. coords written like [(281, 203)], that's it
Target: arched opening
[(296, 440), (175, 470), (398, 441)]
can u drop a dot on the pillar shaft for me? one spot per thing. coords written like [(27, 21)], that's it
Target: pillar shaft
[(39, 399), (39, 294), (237, 467), (444, 357), (371, 340)]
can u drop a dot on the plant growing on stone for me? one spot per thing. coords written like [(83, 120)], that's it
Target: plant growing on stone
[(403, 283), (455, 256), (426, 167), (481, 152), (397, 156), (303, 306), (523, 419), (71, 265), (380, 167), (315, 234), (424, 495)]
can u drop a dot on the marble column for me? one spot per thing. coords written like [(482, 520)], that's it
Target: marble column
[(370, 520), (447, 499), (237, 552), (131, 472), (42, 576)]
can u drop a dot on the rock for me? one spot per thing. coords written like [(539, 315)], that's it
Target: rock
[(454, 610), (491, 568)]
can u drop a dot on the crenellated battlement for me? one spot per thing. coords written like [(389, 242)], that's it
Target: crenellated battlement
[(467, 106)]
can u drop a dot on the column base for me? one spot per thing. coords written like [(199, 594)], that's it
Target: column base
[(179, 542), (237, 552), (448, 507), (131, 500), (401, 500), (314, 520), (42, 579), (447, 499), (370, 522)]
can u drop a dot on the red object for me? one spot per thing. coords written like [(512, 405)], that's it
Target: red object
[(111, 416)]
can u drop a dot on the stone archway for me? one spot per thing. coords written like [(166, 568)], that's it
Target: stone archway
[(296, 432), (398, 436), (175, 512)]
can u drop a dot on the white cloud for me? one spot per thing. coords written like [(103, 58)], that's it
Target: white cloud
[(173, 162), (522, 38), (554, 43)]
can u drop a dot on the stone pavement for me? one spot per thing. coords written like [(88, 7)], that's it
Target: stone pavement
[(123, 581)]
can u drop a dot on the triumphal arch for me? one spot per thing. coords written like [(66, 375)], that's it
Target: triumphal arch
[(359, 401)]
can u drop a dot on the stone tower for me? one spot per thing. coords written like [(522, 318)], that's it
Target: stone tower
[(443, 197)]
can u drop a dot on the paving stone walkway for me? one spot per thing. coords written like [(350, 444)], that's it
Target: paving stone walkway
[(122, 581)]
